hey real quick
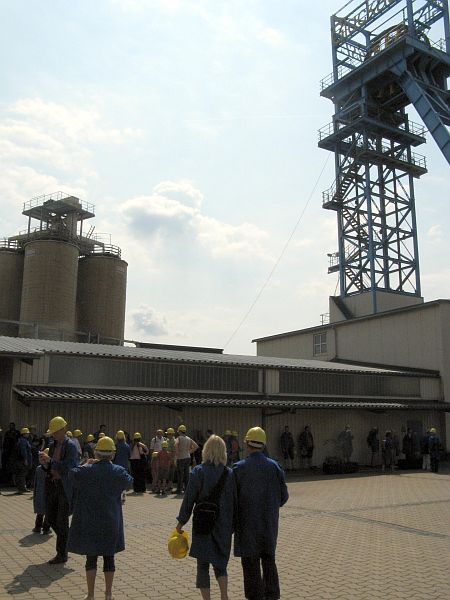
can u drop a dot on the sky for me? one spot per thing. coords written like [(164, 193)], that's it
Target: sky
[(191, 125)]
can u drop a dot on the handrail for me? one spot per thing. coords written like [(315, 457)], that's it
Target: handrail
[(56, 196), (334, 127)]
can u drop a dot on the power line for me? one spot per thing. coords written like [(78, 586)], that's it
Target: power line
[(277, 262)]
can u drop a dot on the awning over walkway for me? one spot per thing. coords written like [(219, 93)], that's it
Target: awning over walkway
[(28, 394)]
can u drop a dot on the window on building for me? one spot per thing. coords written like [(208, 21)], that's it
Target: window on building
[(320, 343)]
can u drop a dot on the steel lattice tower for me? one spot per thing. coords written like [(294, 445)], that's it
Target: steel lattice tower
[(383, 60)]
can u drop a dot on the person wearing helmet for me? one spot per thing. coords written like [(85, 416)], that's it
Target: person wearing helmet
[(101, 429), (164, 461), (434, 445), (41, 522), (261, 491), (184, 447), (122, 456), (77, 440), (138, 463), (22, 461), (61, 458), (97, 522), (156, 443), (170, 437), (88, 447), (211, 480)]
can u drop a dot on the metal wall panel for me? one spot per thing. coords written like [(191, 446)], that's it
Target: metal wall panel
[(326, 425)]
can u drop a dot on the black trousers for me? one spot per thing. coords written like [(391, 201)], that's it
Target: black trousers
[(41, 522), (256, 587), (20, 475), (57, 513), (137, 468), (183, 465)]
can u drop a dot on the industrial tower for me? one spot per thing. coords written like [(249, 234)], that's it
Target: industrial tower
[(387, 54)]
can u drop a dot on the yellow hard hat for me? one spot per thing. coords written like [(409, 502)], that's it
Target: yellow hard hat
[(256, 437), (77, 433), (137, 436), (90, 438), (105, 444), (170, 430), (120, 435), (56, 424), (234, 433), (46, 451), (164, 445), (178, 544), (432, 430), (227, 432), (69, 434), (182, 428), (24, 430)]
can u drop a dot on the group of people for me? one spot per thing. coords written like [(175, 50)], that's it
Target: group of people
[(305, 448), (424, 451), (88, 479)]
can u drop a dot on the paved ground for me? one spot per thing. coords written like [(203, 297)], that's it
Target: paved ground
[(349, 538)]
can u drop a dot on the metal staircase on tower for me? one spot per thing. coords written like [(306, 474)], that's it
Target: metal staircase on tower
[(387, 54)]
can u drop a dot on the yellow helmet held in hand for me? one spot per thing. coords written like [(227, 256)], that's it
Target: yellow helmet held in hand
[(164, 445), (77, 433), (24, 431), (46, 451), (178, 544), (256, 437), (56, 424), (105, 444), (90, 438)]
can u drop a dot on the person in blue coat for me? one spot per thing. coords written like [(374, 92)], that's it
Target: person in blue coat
[(261, 491), (123, 453), (41, 522), (97, 522), (23, 460), (214, 548), (62, 457)]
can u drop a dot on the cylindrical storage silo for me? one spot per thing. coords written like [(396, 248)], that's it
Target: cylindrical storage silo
[(49, 290), (102, 289), (11, 273)]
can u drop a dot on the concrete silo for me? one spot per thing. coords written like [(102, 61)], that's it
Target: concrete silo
[(11, 272), (49, 290), (102, 283)]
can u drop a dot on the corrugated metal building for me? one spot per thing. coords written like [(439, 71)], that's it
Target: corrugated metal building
[(140, 389)]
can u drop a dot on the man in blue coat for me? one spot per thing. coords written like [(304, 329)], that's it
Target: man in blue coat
[(23, 460), (62, 457), (261, 490)]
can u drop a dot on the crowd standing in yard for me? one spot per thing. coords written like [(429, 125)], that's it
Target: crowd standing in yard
[(223, 493)]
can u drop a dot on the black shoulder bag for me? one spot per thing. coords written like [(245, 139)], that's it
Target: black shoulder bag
[(206, 512)]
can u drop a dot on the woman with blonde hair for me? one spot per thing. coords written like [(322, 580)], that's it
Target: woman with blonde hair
[(211, 485)]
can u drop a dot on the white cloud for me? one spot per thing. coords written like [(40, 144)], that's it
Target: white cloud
[(148, 321), (272, 37), (435, 234), (175, 208)]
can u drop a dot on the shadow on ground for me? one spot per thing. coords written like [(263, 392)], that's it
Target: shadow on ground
[(33, 539), (38, 576)]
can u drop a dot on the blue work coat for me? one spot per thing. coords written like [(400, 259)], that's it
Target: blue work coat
[(215, 547), (39, 490), (261, 490), (97, 522), (122, 456), (24, 450), (68, 460)]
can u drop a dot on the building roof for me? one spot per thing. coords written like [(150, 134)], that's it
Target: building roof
[(11, 347), (30, 394), (36, 348), (344, 322)]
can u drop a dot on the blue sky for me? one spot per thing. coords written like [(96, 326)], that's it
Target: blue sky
[(192, 127)]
